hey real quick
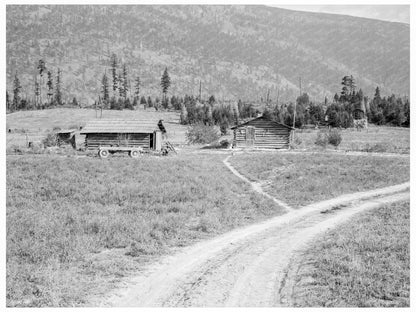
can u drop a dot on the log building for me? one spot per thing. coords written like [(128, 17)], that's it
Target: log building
[(261, 132), (144, 134)]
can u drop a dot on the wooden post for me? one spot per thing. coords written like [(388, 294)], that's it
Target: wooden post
[(157, 143)]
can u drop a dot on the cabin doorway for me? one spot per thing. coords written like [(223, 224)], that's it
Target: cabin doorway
[(152, 141), (250, 135)]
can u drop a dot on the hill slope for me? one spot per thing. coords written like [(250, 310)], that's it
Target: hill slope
[(237, 51)]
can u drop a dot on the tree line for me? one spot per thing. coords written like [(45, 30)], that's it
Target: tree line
[(390, 110), (117, 93)]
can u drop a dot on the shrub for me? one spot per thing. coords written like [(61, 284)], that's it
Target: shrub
[(322, 138), (334, 137), (225, 144), (201, 134), (50, 140)]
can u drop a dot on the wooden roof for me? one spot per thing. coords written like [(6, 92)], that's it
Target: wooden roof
[(65, 131), (120, 126), (261, 118)]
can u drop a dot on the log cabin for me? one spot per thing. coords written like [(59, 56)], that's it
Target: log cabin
[(261, 132), (143, 134)]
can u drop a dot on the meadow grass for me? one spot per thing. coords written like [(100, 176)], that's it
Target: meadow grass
[(377, 139), (364, 263), (301, 179), (75, 226)]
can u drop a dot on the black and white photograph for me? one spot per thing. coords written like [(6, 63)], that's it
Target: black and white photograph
[(205, 155)]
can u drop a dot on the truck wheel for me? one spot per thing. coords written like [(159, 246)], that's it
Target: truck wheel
[(134, 153), (103, 153)]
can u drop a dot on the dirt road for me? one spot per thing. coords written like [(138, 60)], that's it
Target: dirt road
[(248, 266)]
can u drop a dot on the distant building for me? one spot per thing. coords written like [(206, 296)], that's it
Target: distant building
[(261, 132), (144, 134)]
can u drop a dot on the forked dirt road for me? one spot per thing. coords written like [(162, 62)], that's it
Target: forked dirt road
[(250, 266)]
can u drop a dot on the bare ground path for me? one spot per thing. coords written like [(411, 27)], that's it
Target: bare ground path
[(250, 266), (256, 186)]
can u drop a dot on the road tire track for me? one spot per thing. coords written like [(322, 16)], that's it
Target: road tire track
[(248, 266)]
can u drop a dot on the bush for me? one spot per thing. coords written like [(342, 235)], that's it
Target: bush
[(201, 134), (334, 137), (322, 138), (50, 140), (225, 144)]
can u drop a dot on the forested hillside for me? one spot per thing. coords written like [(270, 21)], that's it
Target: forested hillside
[(236, 51)]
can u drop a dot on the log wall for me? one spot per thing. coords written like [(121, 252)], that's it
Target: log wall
[(95, 140), (267, 135)]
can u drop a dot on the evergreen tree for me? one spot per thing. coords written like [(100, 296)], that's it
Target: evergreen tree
[(137, 87), (149, 101), (16, 93), (120, 84), (143, 102), (7, 101), (50, 87), (41, 69), (105, 90), (113, 65), (74, 101), (125, 85), (37, 92), (165, 103), (165, 82), (211, 100), (58, 93)]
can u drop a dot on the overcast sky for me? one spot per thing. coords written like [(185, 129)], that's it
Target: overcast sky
[(391, 13)]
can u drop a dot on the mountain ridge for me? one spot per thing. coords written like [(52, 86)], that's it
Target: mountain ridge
[(235, 51)]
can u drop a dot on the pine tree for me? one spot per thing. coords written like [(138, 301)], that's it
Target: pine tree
[(113, 65), (74, 101), (37, 92), (165, 82), (7, 101), (50, 87), (58, 94), (105, 90), (41, 69), (16, 93), (149, 101), (120, 84), (137, 87), (211, 100), (125, 84)]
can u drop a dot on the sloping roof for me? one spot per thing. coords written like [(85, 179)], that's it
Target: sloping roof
[(262, 118), (63, 131), (120, 126)]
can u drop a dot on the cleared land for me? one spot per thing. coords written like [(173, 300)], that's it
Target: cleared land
[(301, 179), (364, 263), (75, 225), (377, 139)]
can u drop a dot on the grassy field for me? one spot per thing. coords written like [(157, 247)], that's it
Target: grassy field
[(34, 125), (377, 139), (301, 179), (77, 225), (365, 263)]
